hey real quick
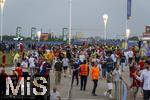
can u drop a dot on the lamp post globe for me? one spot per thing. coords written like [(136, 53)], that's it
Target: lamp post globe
[(105, 18), (128, 33), (127, 37), (39, 35)]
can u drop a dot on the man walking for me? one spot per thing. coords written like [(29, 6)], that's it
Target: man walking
[(84, 72), (58, 70), (95, 75), (145, 78)]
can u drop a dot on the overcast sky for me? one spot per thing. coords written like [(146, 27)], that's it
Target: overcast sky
[(53, 15)]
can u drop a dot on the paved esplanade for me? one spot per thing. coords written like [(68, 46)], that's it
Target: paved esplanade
[(76, 94)]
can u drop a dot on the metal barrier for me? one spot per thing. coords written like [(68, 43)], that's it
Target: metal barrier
[(120, 90)]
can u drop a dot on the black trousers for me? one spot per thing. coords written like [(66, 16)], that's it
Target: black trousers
[(83, 82), (2, 89), (95, 86), (130, 60), (146, 94), (75, 75)]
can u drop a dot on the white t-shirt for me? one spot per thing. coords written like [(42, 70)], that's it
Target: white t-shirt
[(24, 66), (126, 55), (117, 74), (54, 96), (82, 58), (145, 77), (99, 66), (130, 54), (65, 62), (32, 62), (113, 58)]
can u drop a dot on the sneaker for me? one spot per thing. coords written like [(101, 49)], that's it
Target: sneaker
[(110, 96), (105, 93)]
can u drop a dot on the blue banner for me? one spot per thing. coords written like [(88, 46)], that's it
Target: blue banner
[(128, 9)]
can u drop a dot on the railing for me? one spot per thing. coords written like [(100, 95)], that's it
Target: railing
[(121, 91)]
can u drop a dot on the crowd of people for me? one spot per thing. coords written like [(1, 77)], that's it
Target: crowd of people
[(99, 61)]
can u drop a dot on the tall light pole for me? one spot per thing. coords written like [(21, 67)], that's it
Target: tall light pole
[(127, 37), (2, 2), (105, 18), (70, 21)]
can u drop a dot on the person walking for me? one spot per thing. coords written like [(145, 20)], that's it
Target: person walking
[(24, 66), (130, 55), (31, 64), (18, 69), (135, 83), (4, 61), (16, 59), (116, 76), (65, 62), (84, 72), (54, 94), (145, 78), (95, 76), (3, 77), (75, 72), (109, 84), (122, 62), (58, 71)]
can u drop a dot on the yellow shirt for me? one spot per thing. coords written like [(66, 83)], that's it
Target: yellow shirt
[(16, 57), (50, 56)]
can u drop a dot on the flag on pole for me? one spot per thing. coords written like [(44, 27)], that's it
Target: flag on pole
[(128, 9)]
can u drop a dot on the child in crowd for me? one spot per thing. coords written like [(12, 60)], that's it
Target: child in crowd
[(54, 94), (109, 84)]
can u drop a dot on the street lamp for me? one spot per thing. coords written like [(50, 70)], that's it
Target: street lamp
[(39, 35), (70, 21), (2, 2), (127, 33), (127, 36), (105, 18)]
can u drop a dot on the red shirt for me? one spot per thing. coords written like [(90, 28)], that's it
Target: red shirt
[(141, 63), (21, 48), (19, 71), (135, 83), (132, 70)]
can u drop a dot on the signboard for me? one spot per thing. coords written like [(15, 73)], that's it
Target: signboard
[(146, 34), (44, 36), (147, 29)]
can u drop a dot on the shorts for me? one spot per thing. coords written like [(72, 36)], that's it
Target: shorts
[(65, 67), (110, 86)]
